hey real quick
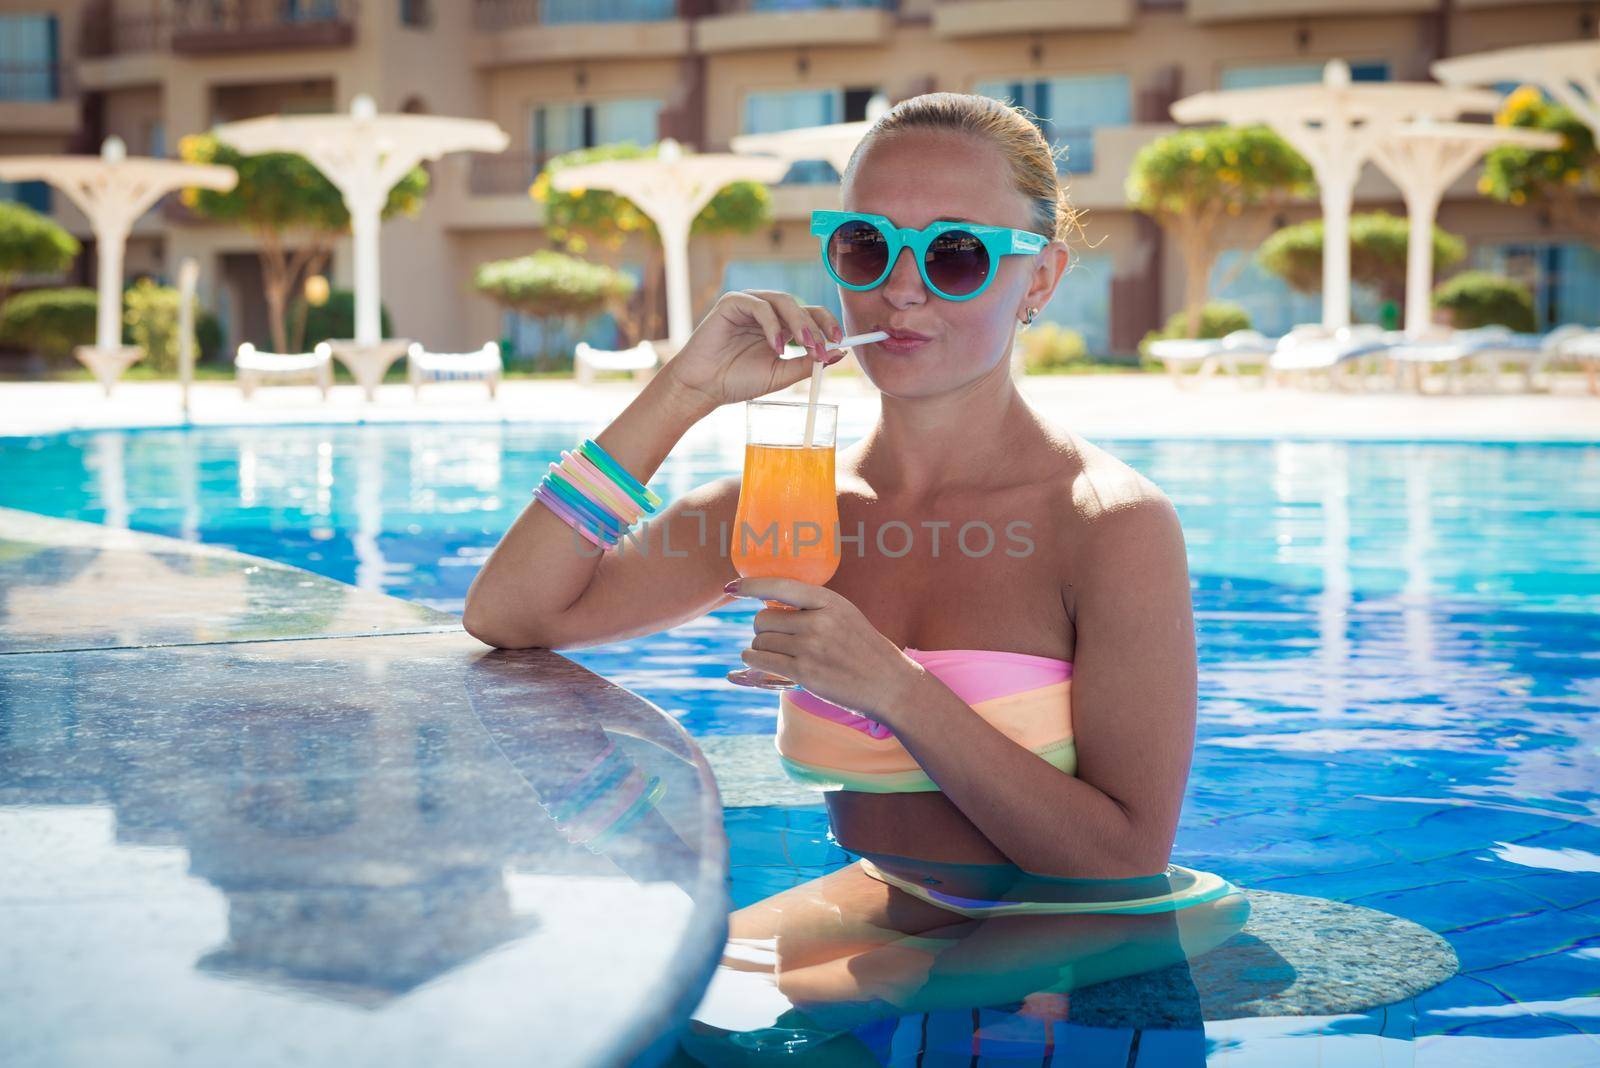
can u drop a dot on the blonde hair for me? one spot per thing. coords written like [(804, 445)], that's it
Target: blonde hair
[(1008, 127)]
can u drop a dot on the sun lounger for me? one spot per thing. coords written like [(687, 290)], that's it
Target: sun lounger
[(253, 367), (484, 365), (1586, 350), (641, 361), (1313, 349)]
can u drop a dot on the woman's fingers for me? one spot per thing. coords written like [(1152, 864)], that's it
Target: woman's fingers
[(804, 329), (772, 663), (765, 316), (771, 641), (781, 620)]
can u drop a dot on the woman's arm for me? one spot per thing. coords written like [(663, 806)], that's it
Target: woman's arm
[(541, 571), (544, 586), (1133, 711)]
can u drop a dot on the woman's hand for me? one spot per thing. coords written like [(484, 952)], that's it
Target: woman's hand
[(825, 644), (735, 352)]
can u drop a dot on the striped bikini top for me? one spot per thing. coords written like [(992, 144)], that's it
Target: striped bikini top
[(1027, 698)]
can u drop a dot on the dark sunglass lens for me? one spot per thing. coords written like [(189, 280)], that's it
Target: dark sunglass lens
[(858, 253), (957, 263)]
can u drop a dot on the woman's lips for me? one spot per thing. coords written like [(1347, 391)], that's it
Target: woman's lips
[(902, 345)]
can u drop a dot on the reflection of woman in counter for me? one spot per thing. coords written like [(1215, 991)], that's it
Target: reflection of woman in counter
[(919, 697)]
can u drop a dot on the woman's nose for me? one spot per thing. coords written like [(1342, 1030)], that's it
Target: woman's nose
[(904, 284)]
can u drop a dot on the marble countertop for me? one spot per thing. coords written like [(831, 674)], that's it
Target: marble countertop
[(248, 820)]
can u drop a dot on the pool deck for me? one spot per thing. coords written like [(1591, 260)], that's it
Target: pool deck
[(1107, 405)]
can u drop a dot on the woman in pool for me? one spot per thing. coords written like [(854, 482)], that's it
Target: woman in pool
[(1086, 788)]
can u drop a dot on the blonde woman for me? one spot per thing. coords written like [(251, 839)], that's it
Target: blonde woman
[(1011, 727)]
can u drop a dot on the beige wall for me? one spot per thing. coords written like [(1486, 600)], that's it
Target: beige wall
[(451, 68)]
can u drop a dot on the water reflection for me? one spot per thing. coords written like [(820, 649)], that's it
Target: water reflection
[(372, 811), (844, 969)]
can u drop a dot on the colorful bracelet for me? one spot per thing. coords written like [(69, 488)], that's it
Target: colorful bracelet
[(605, 522), (567, 515), (595, 495), (636, 489), (582, 474)]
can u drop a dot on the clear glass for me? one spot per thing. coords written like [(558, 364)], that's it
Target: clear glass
[(787, 522)]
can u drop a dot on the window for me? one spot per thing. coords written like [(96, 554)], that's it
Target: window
[(554, 12), (28, 57), (1273, 307), (1260, 76), (35, 195), (1564, 278), (559, 128), (417, 14), (1069, 110), (776, 111), (806, 280)]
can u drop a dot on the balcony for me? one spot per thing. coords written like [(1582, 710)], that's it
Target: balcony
[(742, 25), (215, 28), (37, 98), (486, 191), (532, 31), (1259, 10), (262, 26), (974, 18)]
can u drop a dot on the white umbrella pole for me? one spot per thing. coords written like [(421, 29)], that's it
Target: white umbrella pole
[(108, 315), (188, 275), (675, 245), (365, 220)]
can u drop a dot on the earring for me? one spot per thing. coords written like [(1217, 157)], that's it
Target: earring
[(1032, 312)]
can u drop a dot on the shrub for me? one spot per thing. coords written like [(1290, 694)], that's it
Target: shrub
[(1481, 298), (1217, 319), (31, 243), (50, 322), (150, 319), (334, 318), (208, 336), (1378, 244), (1051, 347)]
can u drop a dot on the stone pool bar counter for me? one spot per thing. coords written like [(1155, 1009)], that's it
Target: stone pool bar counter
[(251, 815)]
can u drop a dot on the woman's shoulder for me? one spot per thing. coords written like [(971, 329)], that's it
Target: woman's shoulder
[(1107, 500)]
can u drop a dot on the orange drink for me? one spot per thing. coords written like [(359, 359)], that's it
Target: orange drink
[(788, 515), (787, 512)]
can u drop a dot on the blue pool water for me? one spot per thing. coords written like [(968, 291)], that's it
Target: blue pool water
[(1400, 673)]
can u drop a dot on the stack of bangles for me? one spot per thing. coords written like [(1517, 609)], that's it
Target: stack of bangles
[(594, 495), (603, 800)]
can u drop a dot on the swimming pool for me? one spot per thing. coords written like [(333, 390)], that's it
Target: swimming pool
[(1400, 673)]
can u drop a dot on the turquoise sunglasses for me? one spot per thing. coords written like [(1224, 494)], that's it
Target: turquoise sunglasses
[(957, 260)]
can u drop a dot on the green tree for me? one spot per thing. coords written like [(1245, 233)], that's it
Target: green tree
[(554, 287), (1378, 243), (1556, 179), (150, 319), (294, 213), (1482, 298), (1193, 180), (581, 218), (30, 243), (51, 322)]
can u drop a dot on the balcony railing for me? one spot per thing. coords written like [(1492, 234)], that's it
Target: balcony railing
[(730, 7), (262, 25), (35, 82), (211, 27), (493, 15), (504, 173)]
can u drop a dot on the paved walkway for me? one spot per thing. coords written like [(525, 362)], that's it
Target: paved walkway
[(1121, 405)]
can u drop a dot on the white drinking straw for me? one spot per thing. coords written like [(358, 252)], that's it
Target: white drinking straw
[(816, 374)]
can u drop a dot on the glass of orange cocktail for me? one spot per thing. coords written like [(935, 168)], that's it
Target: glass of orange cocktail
[(786, 525)]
